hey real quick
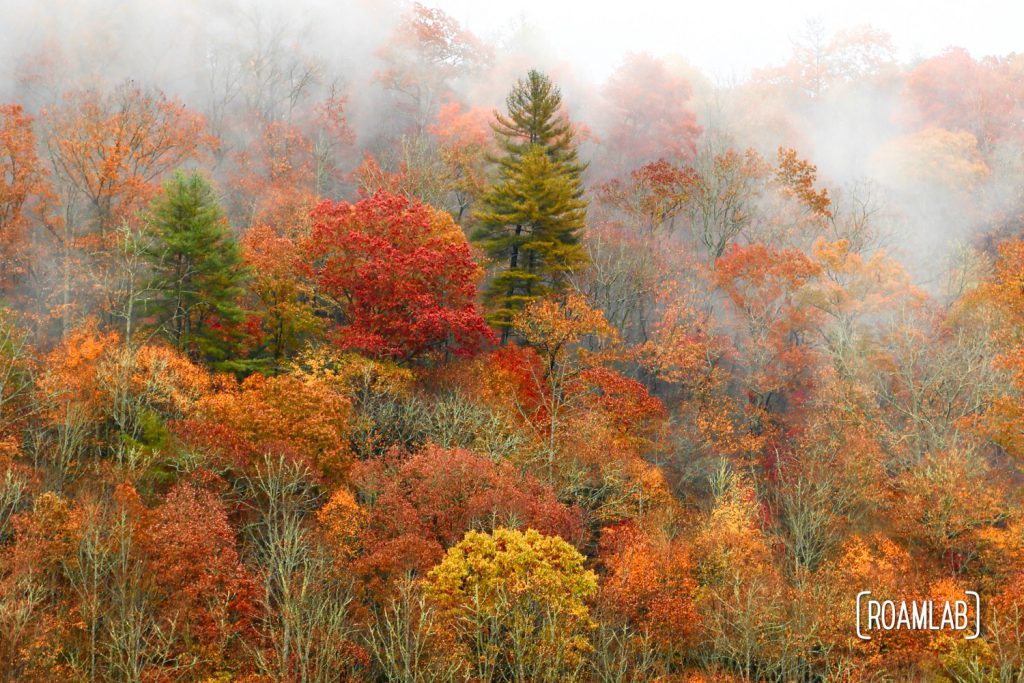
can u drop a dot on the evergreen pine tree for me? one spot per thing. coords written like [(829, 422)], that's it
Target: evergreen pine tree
[(198, 272), (531, 218)]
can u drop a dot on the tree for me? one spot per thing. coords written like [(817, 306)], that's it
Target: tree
[(958, 93), (280, 175), (649, 584), (462, 136), (1001, 293), (852, 291), (305, 624), (930, 377), (951, 498), (112, 149), (517, 602), (306, 417), (820, 62), (21, 182), (409, 640), (107, 153), (650, 114), (197, 268), (826, 481), (742, 599), (426, 53), (413, 167), (398, 278), (765, 286), (533, 215), (274, 178), (204, 594), (652, 196), (558, 331), (628, 245), (948, 161), (724, 195), (443, 166), (280, 297), (425, 504), (16, 374)]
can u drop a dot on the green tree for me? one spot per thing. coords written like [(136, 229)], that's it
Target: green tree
[(198, 271), (532, 216)]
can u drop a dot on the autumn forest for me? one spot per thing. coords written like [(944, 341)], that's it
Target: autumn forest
[(408, 354)]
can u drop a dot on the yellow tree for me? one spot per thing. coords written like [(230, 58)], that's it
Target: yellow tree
[(518, 602)]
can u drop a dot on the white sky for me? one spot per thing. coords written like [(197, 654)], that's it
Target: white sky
[(726, 38)]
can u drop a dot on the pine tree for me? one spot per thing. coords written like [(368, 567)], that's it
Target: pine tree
[(535, 118), (531, 218), (198, 271)]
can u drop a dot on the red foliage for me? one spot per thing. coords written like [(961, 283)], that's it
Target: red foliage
[(425, 504), (401, 276), (191, 555)]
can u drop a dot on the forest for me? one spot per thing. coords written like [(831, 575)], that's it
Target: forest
[(372, 349)]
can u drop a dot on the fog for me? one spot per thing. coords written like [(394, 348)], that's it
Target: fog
[(733, 38), (746, 69)]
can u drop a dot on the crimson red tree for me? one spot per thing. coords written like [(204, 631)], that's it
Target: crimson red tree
[(399, 278)]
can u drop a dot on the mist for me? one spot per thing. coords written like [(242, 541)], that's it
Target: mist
[(842, 96), (375, 340)]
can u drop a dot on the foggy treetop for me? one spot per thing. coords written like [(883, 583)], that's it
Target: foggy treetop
[(843, 99)]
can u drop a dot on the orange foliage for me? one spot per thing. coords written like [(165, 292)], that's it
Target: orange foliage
[(342, 520), (797, 178), (934, 158), (115, 148), (872, 563), (1003, 422), (200, 582), (71, 377), (274, 182), (424, 504), (650, 584), (427, 52), (766, 286), (307, 417), (281, 297), (22, 184)]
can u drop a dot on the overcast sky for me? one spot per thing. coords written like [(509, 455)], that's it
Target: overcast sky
[(726, 38)]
